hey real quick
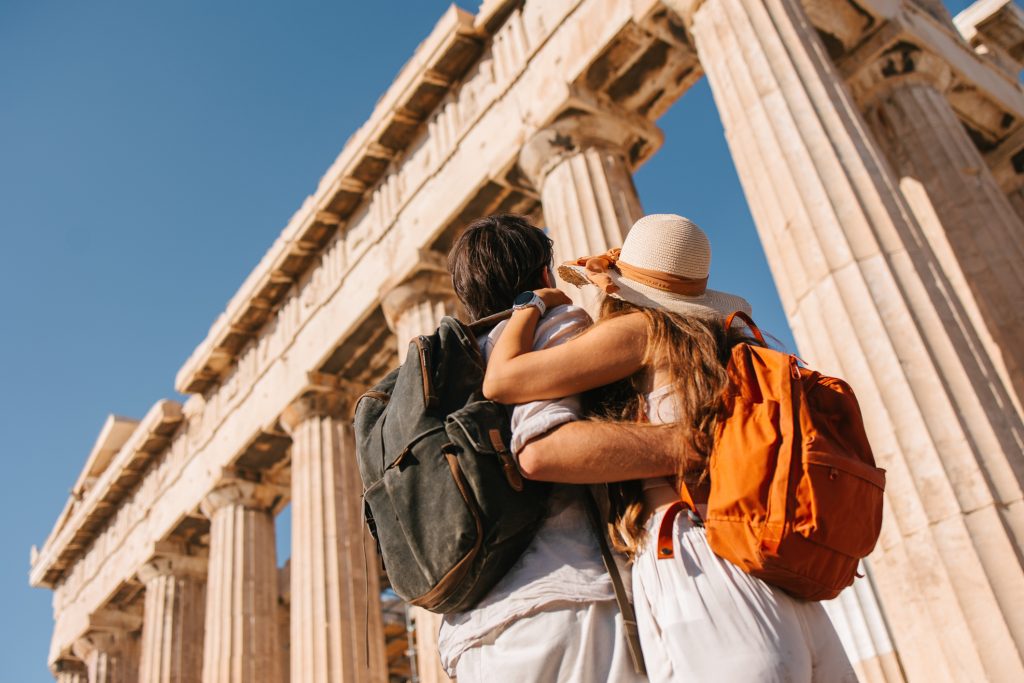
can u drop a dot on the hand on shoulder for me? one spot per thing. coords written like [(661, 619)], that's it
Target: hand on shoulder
[(552, 296)]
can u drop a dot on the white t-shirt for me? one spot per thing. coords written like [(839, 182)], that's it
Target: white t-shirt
[(563, 562)]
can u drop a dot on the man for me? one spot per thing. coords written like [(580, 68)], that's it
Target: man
[(553, 617)]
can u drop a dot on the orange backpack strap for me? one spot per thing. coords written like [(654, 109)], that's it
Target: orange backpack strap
[(790, 447), (749, 323), (665, 548)]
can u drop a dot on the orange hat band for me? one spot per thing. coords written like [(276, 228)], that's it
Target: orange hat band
[(597, 272)]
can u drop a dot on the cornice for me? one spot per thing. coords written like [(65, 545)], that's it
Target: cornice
[(85, 520), (436, 66)]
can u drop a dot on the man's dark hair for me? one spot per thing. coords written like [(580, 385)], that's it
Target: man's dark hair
[(496, 258)]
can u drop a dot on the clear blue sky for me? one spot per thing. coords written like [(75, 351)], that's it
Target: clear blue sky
[(149, 155)]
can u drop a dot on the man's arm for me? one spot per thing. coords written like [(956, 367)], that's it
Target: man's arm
[(590, 452)]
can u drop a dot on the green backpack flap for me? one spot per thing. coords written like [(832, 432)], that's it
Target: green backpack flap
[(442, 494)]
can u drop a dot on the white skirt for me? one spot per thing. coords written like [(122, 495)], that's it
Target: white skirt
[(703, 619)]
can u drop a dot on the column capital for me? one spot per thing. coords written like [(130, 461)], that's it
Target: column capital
[(66, 665), (1010, 152), (580, 128), (685, 9), (106, 638), (167, 562), (900, 65), (431, 281), (233, 490), (323, 401)]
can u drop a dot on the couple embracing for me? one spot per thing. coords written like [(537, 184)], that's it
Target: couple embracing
[(632, 401)]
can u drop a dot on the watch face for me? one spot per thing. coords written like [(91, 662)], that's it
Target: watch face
[(523, 299)]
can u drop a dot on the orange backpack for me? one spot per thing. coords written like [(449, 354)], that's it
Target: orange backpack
[(795, 497)]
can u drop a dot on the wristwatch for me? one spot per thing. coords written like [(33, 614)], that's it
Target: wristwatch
[(527, 299)]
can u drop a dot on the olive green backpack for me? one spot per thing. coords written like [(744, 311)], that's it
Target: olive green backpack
[(443, 496)]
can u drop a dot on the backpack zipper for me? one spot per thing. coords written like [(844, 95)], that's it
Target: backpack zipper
[(397, 462)]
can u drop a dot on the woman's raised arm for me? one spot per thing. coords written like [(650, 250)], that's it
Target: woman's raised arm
[(609, 351)]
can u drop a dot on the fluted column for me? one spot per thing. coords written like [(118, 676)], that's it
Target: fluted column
[(284, 619), (241, 644), (580, 166), (858, 619), (428, 625), (111, 655), (172, 630), (411, 308), (973, 230), (337, 632), (867, 300)]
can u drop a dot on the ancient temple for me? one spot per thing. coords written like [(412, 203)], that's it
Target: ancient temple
[(880, 145)]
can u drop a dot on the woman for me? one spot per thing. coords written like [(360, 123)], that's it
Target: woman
[(662, 332)]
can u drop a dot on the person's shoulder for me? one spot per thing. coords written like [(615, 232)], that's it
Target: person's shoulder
[(487, 340), (560, 324)]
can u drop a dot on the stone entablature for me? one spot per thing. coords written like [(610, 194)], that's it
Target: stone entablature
[(988, 99), (111, 491), (438, 63), (995, 29), (527, 104), (115, 432)]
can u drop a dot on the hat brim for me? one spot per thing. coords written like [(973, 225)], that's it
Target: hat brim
[(711, 304)]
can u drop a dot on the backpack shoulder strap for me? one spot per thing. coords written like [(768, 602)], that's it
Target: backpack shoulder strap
[(625, 606), (482, 325), (749, 323)]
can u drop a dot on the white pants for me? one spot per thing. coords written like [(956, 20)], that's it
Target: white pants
[(576, 643), (703, 619)]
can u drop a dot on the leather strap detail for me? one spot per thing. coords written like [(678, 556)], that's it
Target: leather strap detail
[(482, 325), (629, 626), (508, 463)]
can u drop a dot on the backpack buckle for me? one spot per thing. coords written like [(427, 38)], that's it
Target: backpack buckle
[(508, 463), (666, 551)]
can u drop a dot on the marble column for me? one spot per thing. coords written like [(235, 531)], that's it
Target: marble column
[(868, 300), (861, 625), (428, 625), (973, 230), (579, 164), (241, 643), (284, 619), (111, 655), (172, 630), (413, 307), (337, 633)]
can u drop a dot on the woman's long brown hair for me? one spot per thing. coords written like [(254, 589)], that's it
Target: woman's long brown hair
[(695, 352)]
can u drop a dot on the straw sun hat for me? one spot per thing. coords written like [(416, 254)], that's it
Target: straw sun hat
[(663, 263)]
